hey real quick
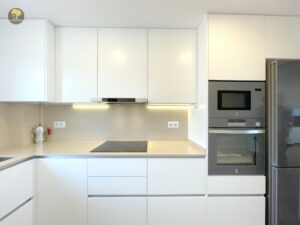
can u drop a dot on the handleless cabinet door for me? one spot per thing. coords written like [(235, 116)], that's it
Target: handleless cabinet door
[(176, 211), (62, 191), (282, 37), (236, 210), (236, 47), (176, 176), (172, 66), (117, 211), (22, 216), (16, 187), (27, 61), (76, 64), (122, 63)]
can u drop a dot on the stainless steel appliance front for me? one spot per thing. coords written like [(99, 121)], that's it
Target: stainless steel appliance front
[(237, 128), (236, 104), (236, 151)]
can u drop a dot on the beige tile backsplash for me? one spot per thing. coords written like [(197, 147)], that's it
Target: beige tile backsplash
[(16, 123), (118, 122)]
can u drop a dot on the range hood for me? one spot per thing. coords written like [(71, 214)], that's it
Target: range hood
[(124, 100)]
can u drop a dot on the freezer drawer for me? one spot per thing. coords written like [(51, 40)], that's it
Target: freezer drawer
[(285, 196)]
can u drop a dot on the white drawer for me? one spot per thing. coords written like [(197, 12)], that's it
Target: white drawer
[(173, 176), (117, 211), (16, 186), (117, 167), (117, 185), (236, 185)]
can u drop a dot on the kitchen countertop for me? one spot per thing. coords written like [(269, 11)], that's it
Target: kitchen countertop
[(164, 149)]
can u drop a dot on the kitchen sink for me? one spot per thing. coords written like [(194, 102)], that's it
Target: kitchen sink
[(4, 158)]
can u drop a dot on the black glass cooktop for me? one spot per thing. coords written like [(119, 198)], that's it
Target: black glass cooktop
[(122, 146)]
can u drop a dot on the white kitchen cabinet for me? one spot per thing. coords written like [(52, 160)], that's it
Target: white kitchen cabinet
[(117, 167), (236, 47), (76, 64), (236, 185), (122, 63), (176, 211), (117, 211), (117, 186), (16, 187), (172, 66), (236, 210), (22, 216), (282, 37), (62, 191), (27, 61), (173, 176)]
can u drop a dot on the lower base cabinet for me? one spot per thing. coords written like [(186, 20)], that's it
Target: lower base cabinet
[(22, 216), (62, 191), (236, 210), (176, 211), (117, 211)]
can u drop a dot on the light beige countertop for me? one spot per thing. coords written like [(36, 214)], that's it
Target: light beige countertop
[(164, 149)]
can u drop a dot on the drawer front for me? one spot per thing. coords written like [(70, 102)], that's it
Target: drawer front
[(117, 167), (176, 176), (236, 210), (236, 185), (22, 216), (117, 185), (16, 186), (177, 211), (117, 211)]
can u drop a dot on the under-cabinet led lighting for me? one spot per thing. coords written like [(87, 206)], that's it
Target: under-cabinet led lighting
[(170, 107), (89, 106)]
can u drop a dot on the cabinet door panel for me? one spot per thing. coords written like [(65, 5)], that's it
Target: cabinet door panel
[(76, 64), (16, 186), (62, 191), (22, 216), (23, 60), (117, 211), (236, 210), (172, 66), (236, 47), (176, 176), (122, 63), (282, 37), (176, 211)]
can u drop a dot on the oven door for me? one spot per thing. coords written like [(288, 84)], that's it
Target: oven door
[(236, 151)]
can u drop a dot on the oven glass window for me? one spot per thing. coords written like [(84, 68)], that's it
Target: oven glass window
[(234, 100), (236, 149)]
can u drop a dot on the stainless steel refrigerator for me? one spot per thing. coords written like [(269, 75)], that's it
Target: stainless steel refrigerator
[(283, 97)]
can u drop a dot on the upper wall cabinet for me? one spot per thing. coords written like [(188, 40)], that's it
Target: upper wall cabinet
[(282, 37), (236, 47), (27, 61), (172, 67), (76, 64), (122, 63)]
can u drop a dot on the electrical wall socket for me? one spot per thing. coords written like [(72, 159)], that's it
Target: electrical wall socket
[(173, 124), (59, 124)]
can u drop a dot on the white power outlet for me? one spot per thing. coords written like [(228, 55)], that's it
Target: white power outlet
[(59, 124), (173, 124)]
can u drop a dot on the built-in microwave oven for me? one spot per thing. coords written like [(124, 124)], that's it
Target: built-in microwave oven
[(236, 104)]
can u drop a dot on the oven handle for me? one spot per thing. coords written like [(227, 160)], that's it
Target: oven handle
[(231, 131)]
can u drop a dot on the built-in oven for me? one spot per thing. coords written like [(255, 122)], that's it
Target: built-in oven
[(236, 128), (236, 151), (236, 104)]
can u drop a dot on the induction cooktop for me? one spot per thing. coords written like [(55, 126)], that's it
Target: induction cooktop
[(122, 146)]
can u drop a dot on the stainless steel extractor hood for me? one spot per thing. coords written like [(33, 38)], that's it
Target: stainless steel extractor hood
[(124, 100)]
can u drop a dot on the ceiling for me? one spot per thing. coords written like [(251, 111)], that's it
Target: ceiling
[(142, 13)]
